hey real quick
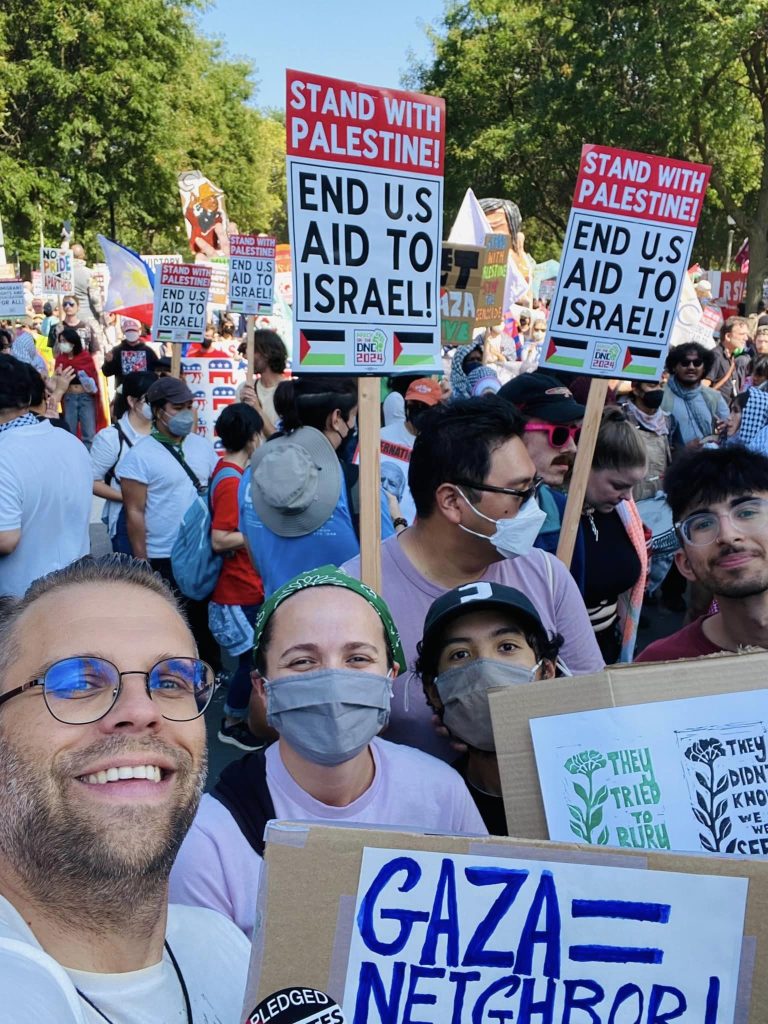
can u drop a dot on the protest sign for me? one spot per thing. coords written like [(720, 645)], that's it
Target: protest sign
[(625, 254), (365, 190), (490, 307), (461, 280), (204, 211), (219, 286), (671, 772), (283, 282), (12, 302), (180, 302), (37, 284), (8, 271), (156, 260), (56, 265), (446, 930), (729, 289), (213, 382), (251, 274), (684, 775)]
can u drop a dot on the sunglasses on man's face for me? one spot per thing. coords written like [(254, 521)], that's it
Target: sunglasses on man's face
[(692, 362), (66, 305), (558, 436)]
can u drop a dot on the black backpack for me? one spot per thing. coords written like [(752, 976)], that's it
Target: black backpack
[(242, 789)]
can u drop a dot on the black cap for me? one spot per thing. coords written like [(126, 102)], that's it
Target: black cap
[(541, 397), (474, 597), (169, 389)]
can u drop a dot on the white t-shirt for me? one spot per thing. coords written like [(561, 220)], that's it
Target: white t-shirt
[(45, 490), (212, 956), (216, 867), (396, 448), (104, 455), (170, 491)]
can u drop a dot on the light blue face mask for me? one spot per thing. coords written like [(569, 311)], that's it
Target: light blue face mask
[(181, 423), (331, 715)]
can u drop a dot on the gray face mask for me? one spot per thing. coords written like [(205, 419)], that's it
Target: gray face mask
[(181, 423), (328, 716), (464, 693)]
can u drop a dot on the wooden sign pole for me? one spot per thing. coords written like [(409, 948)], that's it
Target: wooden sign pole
[(369, 422), (249, 355), (175, 360), (598, 388)]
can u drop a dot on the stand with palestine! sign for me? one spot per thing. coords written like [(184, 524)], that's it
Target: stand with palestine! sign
[(627, 247)]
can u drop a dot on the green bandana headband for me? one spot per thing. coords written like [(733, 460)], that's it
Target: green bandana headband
[(330, 576)]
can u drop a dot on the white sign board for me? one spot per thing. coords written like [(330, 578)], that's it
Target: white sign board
[(627, 247), (56, 265), (365, 187), (213, 382), (251, 274), (181, 298), (154, 261), (456, 938), (12, 301), (687, 775)]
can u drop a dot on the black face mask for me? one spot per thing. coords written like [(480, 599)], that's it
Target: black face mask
[(346, 450), (653, 399)]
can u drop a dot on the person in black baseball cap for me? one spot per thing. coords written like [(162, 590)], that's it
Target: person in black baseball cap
[(552, 423), (477, 637)]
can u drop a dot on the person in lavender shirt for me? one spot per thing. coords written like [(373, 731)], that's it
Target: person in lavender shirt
[(474, 488), (323, 641)]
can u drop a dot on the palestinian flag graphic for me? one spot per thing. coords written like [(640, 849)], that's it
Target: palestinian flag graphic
[(566, 352), (413, 348), (321, 348)]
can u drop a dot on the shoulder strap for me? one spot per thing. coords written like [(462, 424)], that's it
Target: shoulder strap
[(242, 789), (225, 473), (182, 462), (122, 439), (351, 473)]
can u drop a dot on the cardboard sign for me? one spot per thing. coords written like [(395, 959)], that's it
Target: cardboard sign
[(155, 261), (401, 927), (56, 265), (683, 775), (626, 251), (461, 280), (251, 274), (204, 211), (513, 709), (365, 199), (213, 382), (219, 287), (181, 298), (8, 271), (490, 306), (12, 302)]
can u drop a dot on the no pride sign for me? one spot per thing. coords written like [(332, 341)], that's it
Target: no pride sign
[(251, 274), (626, 249), (181, 298), (365, 215)]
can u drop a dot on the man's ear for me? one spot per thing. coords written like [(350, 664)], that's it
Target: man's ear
[(448, 502), (684, 566)]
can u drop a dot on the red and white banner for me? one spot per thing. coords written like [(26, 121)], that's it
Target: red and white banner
[(625, 255), (365, 188)]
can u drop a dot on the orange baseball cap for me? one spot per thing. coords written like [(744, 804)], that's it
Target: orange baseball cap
[(424, 390)]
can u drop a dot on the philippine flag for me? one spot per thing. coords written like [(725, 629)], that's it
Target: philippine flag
[(131, 282)]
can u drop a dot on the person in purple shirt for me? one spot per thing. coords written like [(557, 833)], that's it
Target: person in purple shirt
[(325, 652), (474, 488)]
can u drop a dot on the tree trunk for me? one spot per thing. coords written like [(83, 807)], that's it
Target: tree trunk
[(758, 264)]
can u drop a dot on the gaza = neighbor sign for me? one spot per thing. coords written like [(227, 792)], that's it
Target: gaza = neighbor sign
[(448, 939), (626, 249), (365, 186)]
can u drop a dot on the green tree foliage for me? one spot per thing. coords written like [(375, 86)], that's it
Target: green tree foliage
[(527, 83), (103, 102)]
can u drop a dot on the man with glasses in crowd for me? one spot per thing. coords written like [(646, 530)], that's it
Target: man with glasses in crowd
[(698, 412), (474, 488), (719, 501), (102, 764)]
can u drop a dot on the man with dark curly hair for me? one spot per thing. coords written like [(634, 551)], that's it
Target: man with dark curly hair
[(697, 412)]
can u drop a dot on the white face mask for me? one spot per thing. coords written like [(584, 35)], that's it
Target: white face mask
[(65, 347), (512, 537), (131, 335), (145, 410)]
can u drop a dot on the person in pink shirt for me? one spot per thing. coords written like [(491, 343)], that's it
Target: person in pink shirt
[(316, 651)]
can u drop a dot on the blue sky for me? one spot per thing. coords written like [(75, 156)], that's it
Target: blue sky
[(364, 41)]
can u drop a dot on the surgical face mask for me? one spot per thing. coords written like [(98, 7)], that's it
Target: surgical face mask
[(181, 423), (131, 336), (331, 715), (464, 694), (512, 537), (653, 398), (145, 410), (65, 347)]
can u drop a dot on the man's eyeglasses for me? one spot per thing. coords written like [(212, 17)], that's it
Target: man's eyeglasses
[(702, 528), (558, 436), (523, 495), (692, 362), (81, 690)]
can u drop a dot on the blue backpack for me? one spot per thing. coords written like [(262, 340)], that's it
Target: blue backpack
[(195, 565)]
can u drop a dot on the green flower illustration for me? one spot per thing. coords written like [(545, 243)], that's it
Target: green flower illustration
[(585, 821)]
